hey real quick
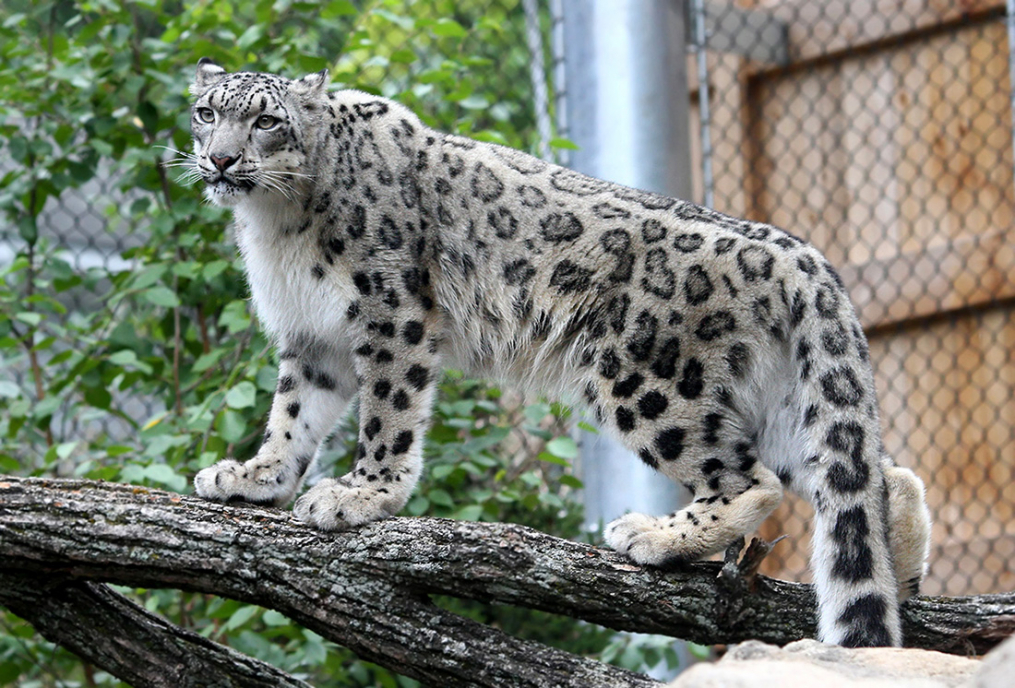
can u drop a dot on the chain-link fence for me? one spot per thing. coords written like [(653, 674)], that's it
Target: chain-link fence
[(881, 132)]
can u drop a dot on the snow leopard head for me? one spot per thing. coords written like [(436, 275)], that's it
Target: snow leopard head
[(253, 132)]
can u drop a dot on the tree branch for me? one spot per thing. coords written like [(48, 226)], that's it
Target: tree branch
[(108, 630), (367, 589)]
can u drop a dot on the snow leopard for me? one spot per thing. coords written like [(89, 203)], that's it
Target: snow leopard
[(724, 353)]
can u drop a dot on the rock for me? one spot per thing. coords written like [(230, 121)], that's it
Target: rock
[(808, 663), (998, 667)]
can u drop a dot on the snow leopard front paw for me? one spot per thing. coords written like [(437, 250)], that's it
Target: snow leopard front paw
[(262, 483), (337, 504)]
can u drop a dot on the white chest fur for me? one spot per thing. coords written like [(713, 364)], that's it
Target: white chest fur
[(289, 298)]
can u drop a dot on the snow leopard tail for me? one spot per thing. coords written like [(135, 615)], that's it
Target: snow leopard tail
[(843, 470)]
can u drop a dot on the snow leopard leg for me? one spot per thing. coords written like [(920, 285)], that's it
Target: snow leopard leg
[(315, 384), (399, 370), (729, 503), (696, 440)]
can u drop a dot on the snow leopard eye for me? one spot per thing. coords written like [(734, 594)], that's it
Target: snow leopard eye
[(266, 122), (206, 115)]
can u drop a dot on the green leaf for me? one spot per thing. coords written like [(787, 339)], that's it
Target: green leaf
[(14, 20), (161, 296), (571, 481), (418, 505), (442, 471), (338, 8), (441, 498), (115, 450), (273, 618), (241, 616), (206, 361), (231, 426), (65, 449), (565, 144), (403, 56), (126, 357), (474, 102), (46, 407), (148, 276), (17, 146), (149, 116), (214, 269), (469, 513), (252, 35), (401, 21), (80, 172), (163, 474), (98, 397), (9, 390), (122, 358), (242, 395), (550, 458), (314, 651), (222, 608), (534, 413), (187, 269), (235, 317), (266, 378), (448, 28), (563, 447)]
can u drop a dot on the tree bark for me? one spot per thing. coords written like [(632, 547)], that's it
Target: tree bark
[(110, 631), (367, 589)]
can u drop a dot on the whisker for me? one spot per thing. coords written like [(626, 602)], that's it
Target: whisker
[(188, 162), (284, 173), (174, 150), (187, 180), (179, 163), (276, 181)]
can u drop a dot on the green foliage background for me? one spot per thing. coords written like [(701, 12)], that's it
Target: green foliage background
[(98, 90)]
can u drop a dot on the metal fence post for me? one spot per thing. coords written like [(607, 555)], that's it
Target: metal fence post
[(1010, 23), (627, 105), (704, 114)]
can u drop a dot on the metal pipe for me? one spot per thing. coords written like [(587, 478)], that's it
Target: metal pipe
[(537, 73), (559, 76), (627, 105), (701, 45), (1010, 22)]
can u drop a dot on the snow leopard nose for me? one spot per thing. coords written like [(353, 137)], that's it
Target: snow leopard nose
[(223, 160)]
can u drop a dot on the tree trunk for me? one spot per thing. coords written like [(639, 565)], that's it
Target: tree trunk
[(367, 589)]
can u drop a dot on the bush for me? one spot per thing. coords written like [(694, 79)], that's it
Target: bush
[(148, 372)]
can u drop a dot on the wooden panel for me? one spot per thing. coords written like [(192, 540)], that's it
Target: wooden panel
[(820, 27), (898, 165), (947, 394), (944, 277)]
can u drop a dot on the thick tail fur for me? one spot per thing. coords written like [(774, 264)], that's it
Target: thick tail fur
[(844, 475)]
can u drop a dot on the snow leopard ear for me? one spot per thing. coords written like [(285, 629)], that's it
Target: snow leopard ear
[(207, 75), (312, 84)]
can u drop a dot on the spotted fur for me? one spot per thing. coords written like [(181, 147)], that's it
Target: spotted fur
[(724, 353)]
